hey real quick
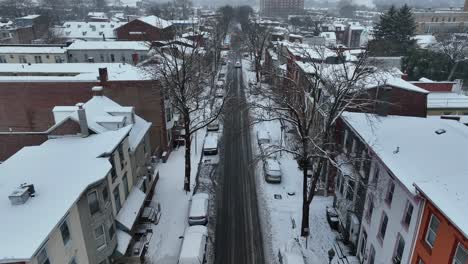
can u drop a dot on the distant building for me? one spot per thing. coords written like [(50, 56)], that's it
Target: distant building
[(441, 21), (271, 8), (89, 31), (149, 28), (33, 54), (131, 52), (24, 30)]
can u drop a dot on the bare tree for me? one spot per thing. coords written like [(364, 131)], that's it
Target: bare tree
[(184, 71), (309, 102), (257, 38), (454, 48)]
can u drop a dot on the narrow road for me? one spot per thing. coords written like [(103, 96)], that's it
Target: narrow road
[(238, 232)]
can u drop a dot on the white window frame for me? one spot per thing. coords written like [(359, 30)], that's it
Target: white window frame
[(459, 247), (403, 221), (65, 243), (102, 236), (430, 230)]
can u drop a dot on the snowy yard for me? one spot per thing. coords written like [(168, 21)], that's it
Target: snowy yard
[(280, 204), (165, 244)]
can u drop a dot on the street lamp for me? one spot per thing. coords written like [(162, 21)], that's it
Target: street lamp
[(331, 255)]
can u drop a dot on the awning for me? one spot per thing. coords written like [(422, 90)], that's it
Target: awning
[(131, 208), (123, 240)]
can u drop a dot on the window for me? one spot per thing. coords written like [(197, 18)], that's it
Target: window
[(118, 204), (370, 209), (105, 194), (112, 58), (38, 59), (400, 247), (408, 214), (123, 58), (383, 226), (461, 255), (2, 59), (371, 255), (168, 114), (125, 183), (65, 232), (42, 257), (363, 244), (73, 261), (113, 172), (100, 237), (121, 157), (389, 196), (338, 182), (102, 57), (454, 19), (93, 202), (111, 231), (376, 174), (22, 59), (431, 232), (58, 59), (342, 184)]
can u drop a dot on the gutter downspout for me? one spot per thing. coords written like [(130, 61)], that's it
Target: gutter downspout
[(418, 224)]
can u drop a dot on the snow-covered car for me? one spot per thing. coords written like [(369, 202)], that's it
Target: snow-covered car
[(220, 84), (272, 170), (198, 214), (263, 137), (219, 93), (213, 126), (211, 144), (193, 250), (238, 64)]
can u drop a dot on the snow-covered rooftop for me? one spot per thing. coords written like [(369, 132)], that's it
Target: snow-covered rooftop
[(156, 21), (109, 45), (32, 50), (101, 109), (434, 162), (88, 30), (447, 100), (128, 214), (425, 41), (10, 72), (72, 163)]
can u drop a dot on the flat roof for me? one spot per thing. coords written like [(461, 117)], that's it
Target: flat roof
[(11, 72), (32, 50), (72, 163), (434, 162), (437, 100), (109, 45)]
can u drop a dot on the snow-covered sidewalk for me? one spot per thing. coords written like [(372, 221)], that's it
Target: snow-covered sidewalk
[(165, 244), (281, 204)]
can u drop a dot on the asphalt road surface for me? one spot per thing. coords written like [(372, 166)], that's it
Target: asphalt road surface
[(238, 232)]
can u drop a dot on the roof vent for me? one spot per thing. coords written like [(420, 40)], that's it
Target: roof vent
[(22, 194), (440, 131)]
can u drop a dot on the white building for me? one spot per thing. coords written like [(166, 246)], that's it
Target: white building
[(33, 54), (108, 51), (429, 152)]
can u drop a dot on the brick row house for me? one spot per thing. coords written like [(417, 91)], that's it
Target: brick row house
[(32, 91), (149, 28), (400, 201)]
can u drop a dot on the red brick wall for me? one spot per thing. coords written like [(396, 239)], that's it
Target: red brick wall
[(403, 102), (27, 106), (446, 241), (435, 87), (150, 33), (12, 143)]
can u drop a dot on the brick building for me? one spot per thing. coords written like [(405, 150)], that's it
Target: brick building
[(28, 94), (150, 28)]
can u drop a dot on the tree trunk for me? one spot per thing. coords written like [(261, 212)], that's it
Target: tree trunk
[(452, 71), (188, 152), (305, 204)]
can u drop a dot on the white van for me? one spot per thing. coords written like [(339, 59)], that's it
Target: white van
[(272, 171), (211, 144), (198, 214), (193, 249)]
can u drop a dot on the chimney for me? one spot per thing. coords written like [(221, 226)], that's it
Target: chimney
[(103, 76), (82, 119), (404, 76), (97, 90), (382, 105)]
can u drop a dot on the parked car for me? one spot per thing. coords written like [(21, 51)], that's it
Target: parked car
[(198, 214), (238, 64), (220, 84), (211, 144), (219, 93), (263, 137), (272, 170), (193, 249), (213, 126)]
